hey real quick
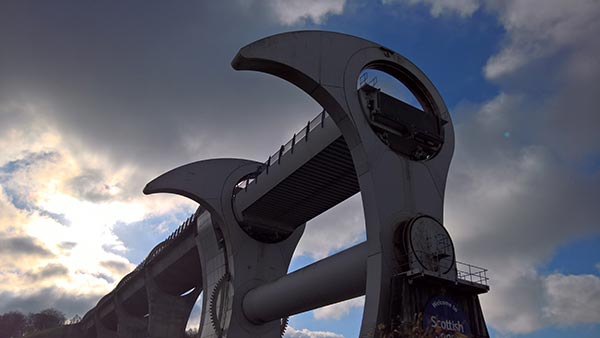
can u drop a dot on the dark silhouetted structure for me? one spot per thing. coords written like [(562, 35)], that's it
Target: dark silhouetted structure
[(238, 245)]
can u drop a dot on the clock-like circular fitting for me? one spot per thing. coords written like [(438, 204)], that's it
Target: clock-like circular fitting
[(429, 244)]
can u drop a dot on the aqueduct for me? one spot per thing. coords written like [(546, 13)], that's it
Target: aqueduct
[(238, 245)]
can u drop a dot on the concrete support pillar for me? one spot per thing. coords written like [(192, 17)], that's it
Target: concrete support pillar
[(129, 326), (168, 314), (101, 330)]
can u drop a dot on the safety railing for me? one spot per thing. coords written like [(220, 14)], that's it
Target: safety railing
[(472, 273), (464, 271), (302, 136), (173, 237), (182, 230)]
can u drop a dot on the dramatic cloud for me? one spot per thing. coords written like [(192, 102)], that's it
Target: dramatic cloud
[(516, 195), (15, 247), (463, 8), (118, 267), (154, 106), (90, 186), (291, 12), (333, 230), (54, 233), (541, 28), (572, 299), (305, 333), (338, 310), (35, 300), (52, 270), (542, 301), (67, 245)]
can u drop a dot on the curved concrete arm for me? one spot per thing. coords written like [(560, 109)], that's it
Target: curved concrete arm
[(327, 65), (202, 181)]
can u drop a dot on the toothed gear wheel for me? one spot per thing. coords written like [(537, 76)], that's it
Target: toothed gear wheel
[(217, 303), (283, 326)]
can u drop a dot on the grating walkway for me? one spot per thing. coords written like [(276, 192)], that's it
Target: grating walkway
[(309, 175)]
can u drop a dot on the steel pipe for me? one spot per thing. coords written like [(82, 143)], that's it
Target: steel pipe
[(334, 279)]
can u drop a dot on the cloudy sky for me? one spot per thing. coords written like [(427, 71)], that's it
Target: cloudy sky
[(97, 98)]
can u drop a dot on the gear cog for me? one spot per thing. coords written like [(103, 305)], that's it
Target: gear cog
[(218, 304), (283, 326)]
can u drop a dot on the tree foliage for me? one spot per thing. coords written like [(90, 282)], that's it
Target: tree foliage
[(46, 319), (15, 324)]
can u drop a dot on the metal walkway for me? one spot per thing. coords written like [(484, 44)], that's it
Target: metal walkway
[(308, 175), (314, 171)]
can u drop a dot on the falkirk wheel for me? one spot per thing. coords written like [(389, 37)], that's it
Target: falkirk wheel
[(238, 246)]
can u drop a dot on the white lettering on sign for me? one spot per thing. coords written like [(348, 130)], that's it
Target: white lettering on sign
[(444, 303), (448, 325)]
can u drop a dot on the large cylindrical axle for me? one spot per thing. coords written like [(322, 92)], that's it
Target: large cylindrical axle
[(336, 278)]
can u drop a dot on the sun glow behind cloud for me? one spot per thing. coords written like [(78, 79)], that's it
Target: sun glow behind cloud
[(64, 205)]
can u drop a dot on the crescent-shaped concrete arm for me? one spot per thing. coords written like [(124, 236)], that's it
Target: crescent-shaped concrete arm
[(302, 57), (314, 61), (327, 65), (201, 181), (310, 59)]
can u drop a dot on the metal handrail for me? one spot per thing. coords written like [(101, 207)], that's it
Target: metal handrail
[(472, 273), (464, 271), (155, 252), (275, 158), (159, 248), (174, 236)]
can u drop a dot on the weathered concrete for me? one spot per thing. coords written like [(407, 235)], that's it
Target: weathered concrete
[(128, 325), (102, 331), (168, 314), (212, 260)]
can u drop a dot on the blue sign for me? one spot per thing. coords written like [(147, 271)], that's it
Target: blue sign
[(444, 318)]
